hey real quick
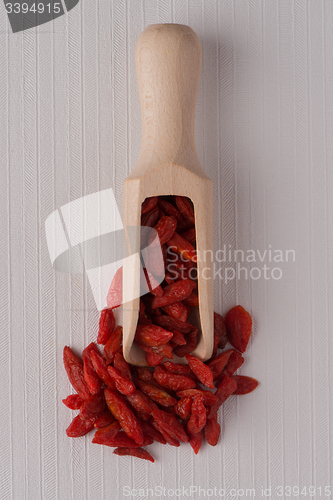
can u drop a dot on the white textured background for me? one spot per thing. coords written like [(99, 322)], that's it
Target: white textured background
[(70, 126)]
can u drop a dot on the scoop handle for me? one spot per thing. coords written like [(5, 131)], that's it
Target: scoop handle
[(168, 64)]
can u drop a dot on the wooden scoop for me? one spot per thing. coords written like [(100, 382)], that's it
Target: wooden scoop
[(168, 63)]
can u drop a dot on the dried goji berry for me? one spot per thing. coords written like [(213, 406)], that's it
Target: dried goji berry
[(158, 395), (101, 369), (122, 366), (173, 324), (104, 420), (183, 408), (185, 208), (122, 439), (149, 218), (79, 426), (219, 363), (164, 350), (106, 326), (74, 369), (238, 324), (168, 438), (149, 430), (202, 371), (149, 204), (245, 385), (208, 397), (192, 300), (165, 228), (226, 387), (113, 345), (195, 441), (172, 381), (174, 293), (123, 385), (182, 246), (170, 210), (191, 342), (189, 235), (73, 401), (152, 335), (134, 452), (153, 285), (178, 369), (171, 424), (106, 433), (93, 407), (124, 415), (94, 383), (115, 294), (212, 430), (197, 419), (178, 338), (220, 330), (177, 310), (141, 402), (235, 361), (153, 359)]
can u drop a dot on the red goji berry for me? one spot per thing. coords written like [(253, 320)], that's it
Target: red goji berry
[(197, 419), (93, 407), (101, 369), (149, 430), (245, 385), (178, 310), (73, 401), (178, 369), (172, 381), (74, 369), (153, 285), (202, 371), (182, 246), (183, 408), (168, 438), (113, 345), (171, 424), (165, 228), (79, 427), (185, 208), (123, 385), (134, 452), (106, 326), (238, 324), (191, 342), (195, 441), (189, 235), (178, 338), (226, 387), (149, 218), (152, 335), (115, 294), (106, 433), (141, 402), (122, 366), (124, 415), (174, 293), (208, 397), (149, 204), (235, 361), (172, 324), (219, 363), (192, 300), (158, 395), (153, 359), (104, 420), (93, 381), (220, 330), (212, 430)]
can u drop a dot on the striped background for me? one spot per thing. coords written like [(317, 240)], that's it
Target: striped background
[(70, 126)]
